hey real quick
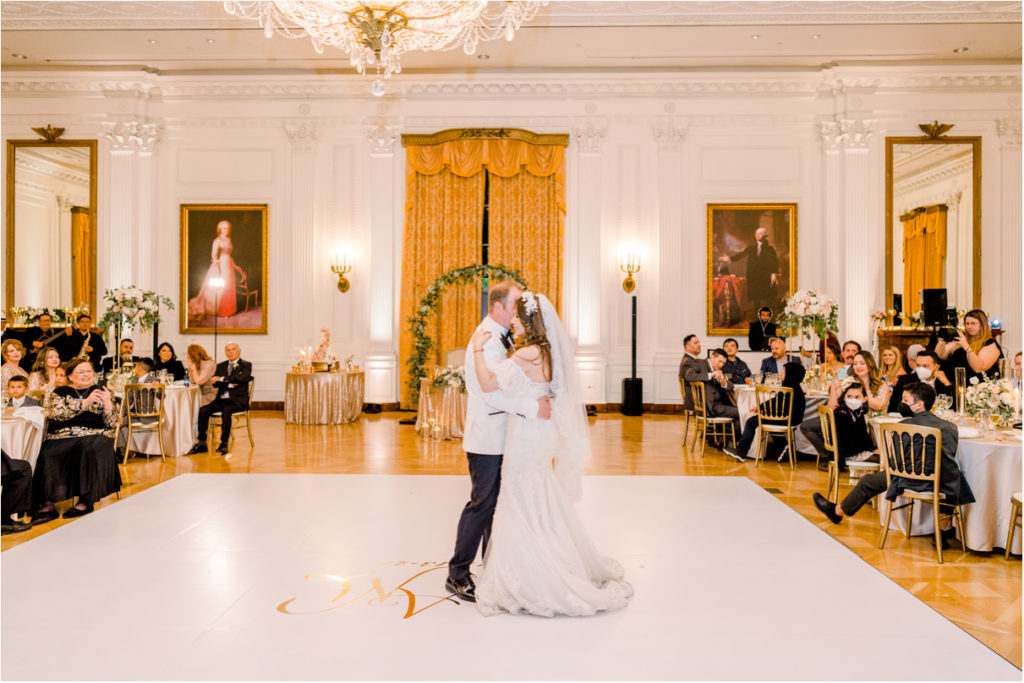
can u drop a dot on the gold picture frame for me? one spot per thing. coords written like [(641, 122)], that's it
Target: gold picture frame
[(237, 254), (739, 275)]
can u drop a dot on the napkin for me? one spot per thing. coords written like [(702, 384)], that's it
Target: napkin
[(967, 432), (33, 414)]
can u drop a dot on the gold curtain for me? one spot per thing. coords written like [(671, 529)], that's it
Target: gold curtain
[(81, 255), (443, 216), (924, 252)]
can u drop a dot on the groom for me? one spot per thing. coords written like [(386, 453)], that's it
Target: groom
[(484, 438)]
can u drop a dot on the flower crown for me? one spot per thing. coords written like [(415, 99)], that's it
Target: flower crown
[(529, 302)]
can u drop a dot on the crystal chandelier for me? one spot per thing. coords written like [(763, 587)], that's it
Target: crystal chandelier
[(375, 34)]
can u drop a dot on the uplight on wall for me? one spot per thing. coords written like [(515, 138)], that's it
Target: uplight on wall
[(632, 386), (340, 266), (629, 263)]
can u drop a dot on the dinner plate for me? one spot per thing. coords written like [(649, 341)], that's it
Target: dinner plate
[(968, 432)]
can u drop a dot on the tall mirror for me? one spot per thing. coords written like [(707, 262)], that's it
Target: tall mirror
[(933, 218), (51, 222)]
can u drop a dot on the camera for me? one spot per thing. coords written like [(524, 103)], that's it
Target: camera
[(948, 332)]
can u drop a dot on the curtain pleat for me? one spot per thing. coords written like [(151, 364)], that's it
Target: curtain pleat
[(504, 158), (924, 253)]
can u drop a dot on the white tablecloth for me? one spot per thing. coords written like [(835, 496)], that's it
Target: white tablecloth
[(991, 464), (746, 402), (22, 435), (181, 416)]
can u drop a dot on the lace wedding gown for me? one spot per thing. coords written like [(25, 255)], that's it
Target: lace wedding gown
[(539, 559)]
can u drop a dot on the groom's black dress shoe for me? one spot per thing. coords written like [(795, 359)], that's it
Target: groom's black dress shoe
[(462, 588), (827, 508)]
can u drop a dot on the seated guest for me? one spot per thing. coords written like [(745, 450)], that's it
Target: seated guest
[(973, 349), (718, 392), (1017, 371), (850, 349), (916, 404), (12, 352), (773, 364), (926, 372), (35, 338), (16, 388), (912, 352), (853, 441), (692, 368), (168, 361), (831, 366), (792, 375), (77, 457), (143, 370), (201, 369), (735, 369), (761, 330), (46, 371), (892, 366), (16, 494), (876, 391), (126, 349), (82, 342), (232, 383)]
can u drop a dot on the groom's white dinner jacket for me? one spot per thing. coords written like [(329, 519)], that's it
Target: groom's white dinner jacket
[(488, 413)]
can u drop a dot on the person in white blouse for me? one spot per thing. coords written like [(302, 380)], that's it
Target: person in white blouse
[(201, 369)]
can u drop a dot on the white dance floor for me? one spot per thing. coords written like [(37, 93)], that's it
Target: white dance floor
[(341, 577)]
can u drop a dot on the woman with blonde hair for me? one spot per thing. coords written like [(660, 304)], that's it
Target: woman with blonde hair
[(876, 391), (45, 370), (12, 352), (892, 365), (200, 372), (973, 349)]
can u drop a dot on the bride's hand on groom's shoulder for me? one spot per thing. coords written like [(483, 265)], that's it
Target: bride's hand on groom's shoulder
[(480, 338)]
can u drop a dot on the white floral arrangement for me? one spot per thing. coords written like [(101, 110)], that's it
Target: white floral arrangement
[(133, 308), (810, 310), (117, 380), (992, 396), (450, 376)]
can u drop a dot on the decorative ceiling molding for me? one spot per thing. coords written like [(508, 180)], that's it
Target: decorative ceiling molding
[(18, 15), (951, 169), (46, 168)]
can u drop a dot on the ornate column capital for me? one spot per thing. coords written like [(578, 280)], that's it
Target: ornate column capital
[(1009, 131), (590, 136), (303, 136), (131, 136), (846, 134), (669, 134), (64, 203), (831, 136), (382, 136)]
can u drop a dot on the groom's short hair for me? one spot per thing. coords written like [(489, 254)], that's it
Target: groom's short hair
[(499, 292)]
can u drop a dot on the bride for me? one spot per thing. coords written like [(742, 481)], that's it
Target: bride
[(540, 559)]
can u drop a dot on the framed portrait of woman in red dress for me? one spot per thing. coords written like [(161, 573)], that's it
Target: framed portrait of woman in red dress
[(223, 268)]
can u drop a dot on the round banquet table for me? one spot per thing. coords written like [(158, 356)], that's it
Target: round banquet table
[(991, 464), (746, 402), (442, 411), (22, 433), (323, 398), (181, 415)]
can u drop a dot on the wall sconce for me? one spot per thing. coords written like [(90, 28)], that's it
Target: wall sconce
[(340, 266), (629, 263)]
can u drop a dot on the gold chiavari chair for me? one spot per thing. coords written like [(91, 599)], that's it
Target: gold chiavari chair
[(708, 426), (144, 407), (774, 408), (828, 433), (905, 454), (236, 418), (688, 414), (1015, 521)]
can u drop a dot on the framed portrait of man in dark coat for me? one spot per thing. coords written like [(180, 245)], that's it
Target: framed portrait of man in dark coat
[(751, 262)]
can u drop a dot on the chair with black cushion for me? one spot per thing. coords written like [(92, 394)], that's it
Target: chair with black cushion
[(706, 425), (828, 433), (908, 458), (774, 409), (144, 410), (237, 419)]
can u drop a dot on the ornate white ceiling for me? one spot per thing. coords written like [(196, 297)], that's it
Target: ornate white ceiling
[(175, 37)]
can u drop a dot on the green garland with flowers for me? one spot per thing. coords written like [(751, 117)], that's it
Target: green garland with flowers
[(423, 344)]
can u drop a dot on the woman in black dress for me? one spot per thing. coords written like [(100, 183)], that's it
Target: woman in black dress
[(167, 360), (77, 457), (973, 349)]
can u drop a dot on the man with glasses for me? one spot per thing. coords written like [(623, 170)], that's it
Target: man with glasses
[(232, 381)]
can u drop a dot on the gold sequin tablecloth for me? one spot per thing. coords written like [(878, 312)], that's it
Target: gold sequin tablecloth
[(442, 411), (323, 398)]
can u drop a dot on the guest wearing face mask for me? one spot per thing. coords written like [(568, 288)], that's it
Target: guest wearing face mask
[(853, 441), (926, 372), (912, 352)]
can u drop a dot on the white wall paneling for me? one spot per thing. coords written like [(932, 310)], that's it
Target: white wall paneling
[(648, 151)]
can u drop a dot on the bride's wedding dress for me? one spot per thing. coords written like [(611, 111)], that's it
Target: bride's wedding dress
[(539, 559)]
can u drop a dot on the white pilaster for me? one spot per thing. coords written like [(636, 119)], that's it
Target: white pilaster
[(1010, 193), (382, 371), (62, 257), (861, 230), (304, 257), (834, 228)]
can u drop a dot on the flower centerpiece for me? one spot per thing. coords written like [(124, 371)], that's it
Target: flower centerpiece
[(809, 312), (120, 377), (132, 308), (449, 376), (997, 397)]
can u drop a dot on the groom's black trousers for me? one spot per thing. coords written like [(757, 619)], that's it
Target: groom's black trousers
[(475, 522)]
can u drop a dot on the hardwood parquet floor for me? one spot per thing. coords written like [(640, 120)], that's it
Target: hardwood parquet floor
[(981, 592)]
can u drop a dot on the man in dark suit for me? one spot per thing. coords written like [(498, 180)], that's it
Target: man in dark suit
[(16, 497), (232, 382), (761, 330), (718, 392), (35, 338), (762, 269), (127, 348), (916, 404), (927, 372), (82, 341), (773, 364), (692, 368)]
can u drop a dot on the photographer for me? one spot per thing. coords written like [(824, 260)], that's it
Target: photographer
[(973, 348)]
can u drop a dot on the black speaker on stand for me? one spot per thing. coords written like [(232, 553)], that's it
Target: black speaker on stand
[(933, 306), (632, 386)]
